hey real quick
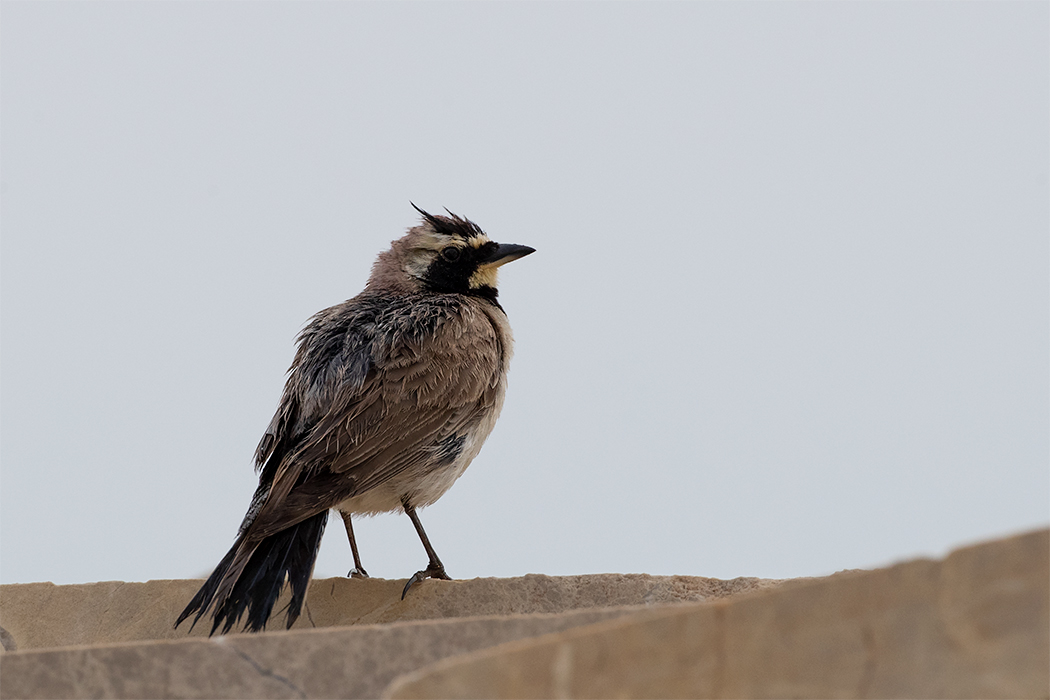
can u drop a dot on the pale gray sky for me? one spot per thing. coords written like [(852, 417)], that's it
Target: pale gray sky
[(788, 312)]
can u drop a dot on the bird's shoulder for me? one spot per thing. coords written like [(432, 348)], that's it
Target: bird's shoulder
[(380, 373), (394, 327)]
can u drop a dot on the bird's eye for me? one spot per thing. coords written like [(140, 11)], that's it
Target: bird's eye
[(450, 254)]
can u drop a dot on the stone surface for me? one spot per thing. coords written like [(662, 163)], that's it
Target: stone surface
[(972, 625), (975, 625), (43, 615), (347, 662)]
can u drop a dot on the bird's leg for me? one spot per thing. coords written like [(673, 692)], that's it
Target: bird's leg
[(358, 571), (435, 569)]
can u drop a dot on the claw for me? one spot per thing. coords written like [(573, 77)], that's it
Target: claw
[(429, 572), (435, 569), (357, 572)]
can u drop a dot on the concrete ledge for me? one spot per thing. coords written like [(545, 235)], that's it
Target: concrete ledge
[(975, 625), (43, 615), (347, 662)]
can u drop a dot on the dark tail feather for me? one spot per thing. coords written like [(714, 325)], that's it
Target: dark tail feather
[(289, 554), (202, 601)]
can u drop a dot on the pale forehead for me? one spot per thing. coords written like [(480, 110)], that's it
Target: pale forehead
[(436, 241)]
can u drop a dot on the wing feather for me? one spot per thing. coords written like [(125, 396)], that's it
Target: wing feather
[(427, 379)]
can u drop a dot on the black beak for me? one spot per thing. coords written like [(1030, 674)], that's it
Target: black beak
[(505, 253)]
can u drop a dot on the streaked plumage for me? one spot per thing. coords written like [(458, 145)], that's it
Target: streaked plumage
[(389, 398)]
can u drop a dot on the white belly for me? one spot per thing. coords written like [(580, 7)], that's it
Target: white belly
[(423, 486)]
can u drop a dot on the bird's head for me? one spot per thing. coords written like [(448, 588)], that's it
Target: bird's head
[(445, 254)]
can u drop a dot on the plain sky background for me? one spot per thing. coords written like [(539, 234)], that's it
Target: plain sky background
[(788, 312)]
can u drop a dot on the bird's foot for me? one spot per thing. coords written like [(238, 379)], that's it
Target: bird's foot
[(432, 571), (357, 572)]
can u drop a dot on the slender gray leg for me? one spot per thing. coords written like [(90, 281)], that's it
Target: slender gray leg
[(358, 571), (435, 569)]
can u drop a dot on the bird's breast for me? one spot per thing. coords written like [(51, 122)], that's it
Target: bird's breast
[(474, 344), (434, 469)]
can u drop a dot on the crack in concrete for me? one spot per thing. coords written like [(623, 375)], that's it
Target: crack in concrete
[(268, 673), (104, 617)]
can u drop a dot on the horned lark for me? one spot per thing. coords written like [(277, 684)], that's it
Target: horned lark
[(389, 398)]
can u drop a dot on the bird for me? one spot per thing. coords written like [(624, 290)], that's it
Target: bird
[(389, 398)]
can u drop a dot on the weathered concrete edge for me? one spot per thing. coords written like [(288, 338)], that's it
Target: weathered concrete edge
[(361, 659), (411, 685), (292, 636), (43, 615)]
